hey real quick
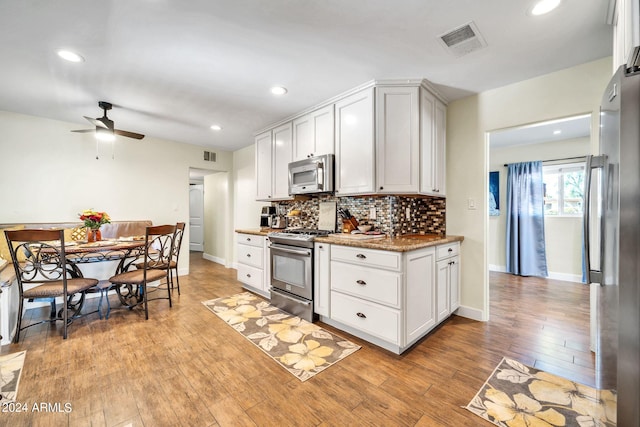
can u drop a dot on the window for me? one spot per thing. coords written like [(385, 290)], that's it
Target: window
[(563, 189)]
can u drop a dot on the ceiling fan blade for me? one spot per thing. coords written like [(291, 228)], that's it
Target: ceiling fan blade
[(96, 122), (128, 134), (84, 130)]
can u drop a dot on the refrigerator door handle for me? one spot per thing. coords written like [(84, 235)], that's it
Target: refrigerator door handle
[(592, 162)]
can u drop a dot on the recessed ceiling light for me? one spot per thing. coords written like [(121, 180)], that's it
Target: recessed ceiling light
[(557, 132), (278, 90), (70, 56), (544, 6), (216, 127)]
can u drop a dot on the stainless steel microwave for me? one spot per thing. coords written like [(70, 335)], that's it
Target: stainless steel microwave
[(311, 175)]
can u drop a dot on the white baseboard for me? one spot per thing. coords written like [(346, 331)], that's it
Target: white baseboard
[(215, 259), (471, 313), (576, 278)]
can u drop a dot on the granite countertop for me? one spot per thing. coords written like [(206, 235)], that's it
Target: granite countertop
[(405, 243)]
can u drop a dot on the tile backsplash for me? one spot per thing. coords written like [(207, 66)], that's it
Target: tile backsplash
[(426, 215)]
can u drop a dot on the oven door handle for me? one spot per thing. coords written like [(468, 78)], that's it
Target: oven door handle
[(290, 250), (283, 295)]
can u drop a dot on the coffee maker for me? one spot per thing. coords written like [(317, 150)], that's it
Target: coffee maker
[(266, 218)]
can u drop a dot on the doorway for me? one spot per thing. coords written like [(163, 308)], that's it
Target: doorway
[(559, 144), (196, 217)]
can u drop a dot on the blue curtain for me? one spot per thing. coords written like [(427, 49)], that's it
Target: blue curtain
[(526, 254)]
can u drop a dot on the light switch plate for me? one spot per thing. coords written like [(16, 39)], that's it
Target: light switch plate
[(471, 204), (372, 212)]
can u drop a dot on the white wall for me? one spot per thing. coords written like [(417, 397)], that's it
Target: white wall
[(50, 174), (217, 202), (563, 235), (569, 92)]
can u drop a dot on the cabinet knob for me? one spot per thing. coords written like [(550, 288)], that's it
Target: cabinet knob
[(248, 255), (248, 275), (450, 250), (361, 315), (320, 247), (361, 256), (361, 282), (382, 188), (248, 239)]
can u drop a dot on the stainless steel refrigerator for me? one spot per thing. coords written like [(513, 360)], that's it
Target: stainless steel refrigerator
[(614, 212)]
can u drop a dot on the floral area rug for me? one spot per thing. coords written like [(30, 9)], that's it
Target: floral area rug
[(10, 370), (301, 347), (518, 395)]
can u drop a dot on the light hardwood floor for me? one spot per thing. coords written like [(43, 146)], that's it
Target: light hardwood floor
[(184, 366)]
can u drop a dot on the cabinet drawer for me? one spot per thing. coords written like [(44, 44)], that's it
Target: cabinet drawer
[(371, 257), (252, 276), (251, 255), (374, 319), (250, 239), (372, 284), (445, 251)]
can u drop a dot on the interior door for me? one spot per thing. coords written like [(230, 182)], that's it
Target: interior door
[(196, 217)]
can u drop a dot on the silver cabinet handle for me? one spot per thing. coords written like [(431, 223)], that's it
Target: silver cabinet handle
[(361, 315), (361, 282)]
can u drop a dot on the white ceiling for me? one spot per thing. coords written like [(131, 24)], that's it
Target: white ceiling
[(174, 67)]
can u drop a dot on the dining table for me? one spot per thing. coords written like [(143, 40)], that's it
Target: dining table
[(125, 250)]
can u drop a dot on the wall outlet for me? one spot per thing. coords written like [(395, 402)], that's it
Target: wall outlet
[(372, 212)]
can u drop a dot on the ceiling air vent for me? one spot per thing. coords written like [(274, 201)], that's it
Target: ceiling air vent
[(463, 40), (210, 156)]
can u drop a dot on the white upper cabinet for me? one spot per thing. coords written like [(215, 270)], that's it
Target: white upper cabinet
[(313, 134), (432, 144), (626, 33), (282, 154), (264, 166), (397, 139), (273, 155), (355, 144)]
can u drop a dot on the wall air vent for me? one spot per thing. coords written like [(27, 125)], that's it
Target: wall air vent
[(463, 40), (210, 156)]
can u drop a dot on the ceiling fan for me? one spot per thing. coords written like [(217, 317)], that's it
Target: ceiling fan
[(104, 126)]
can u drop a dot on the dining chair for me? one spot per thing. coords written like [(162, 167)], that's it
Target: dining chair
[(173, 264), (42, 272), (158, 252)]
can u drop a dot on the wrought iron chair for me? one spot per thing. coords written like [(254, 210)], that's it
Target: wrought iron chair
[(39, 260), (132, 286), (173, 265)]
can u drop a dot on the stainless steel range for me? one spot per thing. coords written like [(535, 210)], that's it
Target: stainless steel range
[(292, 270)]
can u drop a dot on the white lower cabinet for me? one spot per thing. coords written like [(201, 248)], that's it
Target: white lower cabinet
[(385, 297), (448, 280), (253, 263)]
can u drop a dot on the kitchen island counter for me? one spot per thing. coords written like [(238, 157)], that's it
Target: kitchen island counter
[(404, 243)]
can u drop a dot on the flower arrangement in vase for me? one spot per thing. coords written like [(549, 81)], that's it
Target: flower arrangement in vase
[(93, 220)]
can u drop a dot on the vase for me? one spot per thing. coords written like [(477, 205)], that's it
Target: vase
[(93, 235)]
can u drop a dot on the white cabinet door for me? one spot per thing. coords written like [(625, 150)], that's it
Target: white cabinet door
[(355, 144), (443, 304), (313, 134), (397, 139), (420, 308), (454, 283), (432, 144), (264, 166), (282, 156), (322, 279)]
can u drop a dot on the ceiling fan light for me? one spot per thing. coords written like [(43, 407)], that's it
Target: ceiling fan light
[(105, 135), (70, 56)]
